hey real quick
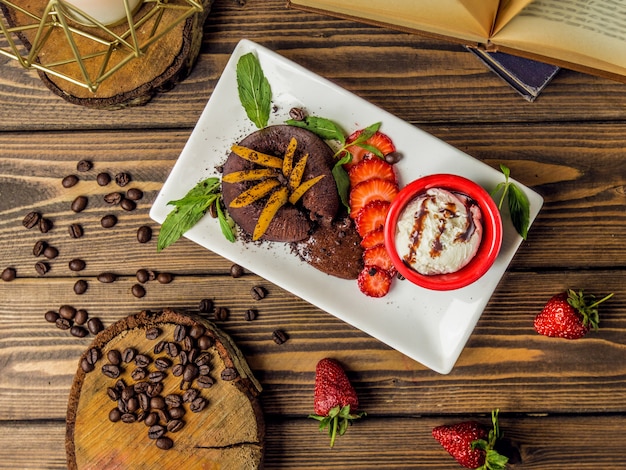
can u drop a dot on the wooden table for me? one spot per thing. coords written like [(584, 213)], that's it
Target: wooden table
[(563, 404)]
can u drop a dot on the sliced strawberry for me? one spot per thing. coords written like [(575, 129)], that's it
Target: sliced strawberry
[(378, 140), (374, 282), (371, 167), (371, 190), (377, 256), (373, 238), (372, 216)]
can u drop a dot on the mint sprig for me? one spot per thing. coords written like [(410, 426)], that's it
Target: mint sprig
[(519, 205), (190, 209), (254, 90)]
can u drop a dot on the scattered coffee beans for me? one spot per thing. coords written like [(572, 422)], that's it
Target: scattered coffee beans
[(84, 165), (69, 181), (279, 336), (42, 268), (50, 252), (113, 198), (165, 278), (45, 225), (78, 331), (236, 271), (134, 194), (258, 292), (229, 373), (95, 326), (250, 314), (138, 290), (79, 204), (122, 179), (67, 311), (108, 221), (75, 230), (221, 313), (8, 274), (144, 234), (80, 287), (39, 248), (31, 219), (81, 316), (51, 316), (128, 205), (206, 306), (77, 265), (107, 278), (103, 178)]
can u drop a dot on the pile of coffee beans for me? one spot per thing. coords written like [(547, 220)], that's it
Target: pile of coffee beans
[(139, 380)]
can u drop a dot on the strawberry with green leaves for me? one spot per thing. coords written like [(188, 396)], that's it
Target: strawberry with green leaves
[(472, 444), (569, 315), (335, 400)]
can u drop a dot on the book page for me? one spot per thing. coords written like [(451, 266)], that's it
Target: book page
[(466, 20), (508, 9), (591, 33)]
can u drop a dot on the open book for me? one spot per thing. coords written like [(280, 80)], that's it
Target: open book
[(584, 35)]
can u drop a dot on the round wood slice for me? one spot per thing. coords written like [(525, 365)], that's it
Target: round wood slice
[(165, 63), (227, 433)]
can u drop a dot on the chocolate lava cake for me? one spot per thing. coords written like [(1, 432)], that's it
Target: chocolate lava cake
[(292, 222)]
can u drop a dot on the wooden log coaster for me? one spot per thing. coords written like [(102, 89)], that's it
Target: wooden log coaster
[(165, 63), (179, 368)]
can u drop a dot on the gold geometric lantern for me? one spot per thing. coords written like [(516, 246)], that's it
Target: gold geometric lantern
[(69, 41)]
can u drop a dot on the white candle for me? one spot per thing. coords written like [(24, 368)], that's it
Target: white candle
[(105, 11)]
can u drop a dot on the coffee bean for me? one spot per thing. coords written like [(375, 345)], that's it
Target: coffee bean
[(175, 425), (129, 355), (133, 404), (122, 179), (31, 219), (156, 376), (138, 290), (196, 331), (78, 331), (84, 165), (69, 181), (162, 363), (139, 373), (221, 313), (173, 400), (142, 360), (75, 230), (157, 402), (229, 373), (42, 268), (164, 443), (190, 395), (51, 316), (205, 342), (142, 275), (127, 393), (76, 265), (114, 357), (128, 418), (203, 359), (144, 401), (86, 366), (45, 225), (258, 292), (107, 278), (250, 314), (80, 287), (111, 370), (144, 234), (141, 388), (79, 204), (178, 370), (108, 221), (236, 271), (95, 326), (81, 316), (165, 278), (113, 198), (153, 333), (152, 275), (50, 252), (297, 114), (213, 211), (8, 274), (63, 323), (134, 194), (156, 431), (158, 348), (204, 381), (151, 419), (39, 248), (197, 405), (279, 336), (67, 311), (180, 332), (183, 358), (176, 412), (206, 306), (128, 205), (172, 349), (190, 372), (103, 178), (115, 415), (393, 157), (121, 404), (92, 355)]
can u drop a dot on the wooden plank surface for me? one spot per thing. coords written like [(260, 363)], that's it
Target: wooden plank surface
[(568, 146)]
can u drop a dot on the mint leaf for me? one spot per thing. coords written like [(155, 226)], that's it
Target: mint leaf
[(190, 209), (254, 90), (342, 180), (518, 203), (324, 128)]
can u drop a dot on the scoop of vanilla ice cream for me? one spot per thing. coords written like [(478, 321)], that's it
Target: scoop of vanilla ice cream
[(439, 232)]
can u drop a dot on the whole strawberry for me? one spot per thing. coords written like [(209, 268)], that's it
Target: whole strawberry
[(569, 315), (472, 444), (335, 400)]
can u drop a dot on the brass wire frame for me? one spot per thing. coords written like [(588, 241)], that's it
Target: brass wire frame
[(56, 15)]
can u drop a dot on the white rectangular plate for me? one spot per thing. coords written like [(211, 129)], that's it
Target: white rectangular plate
[(430, 327)]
